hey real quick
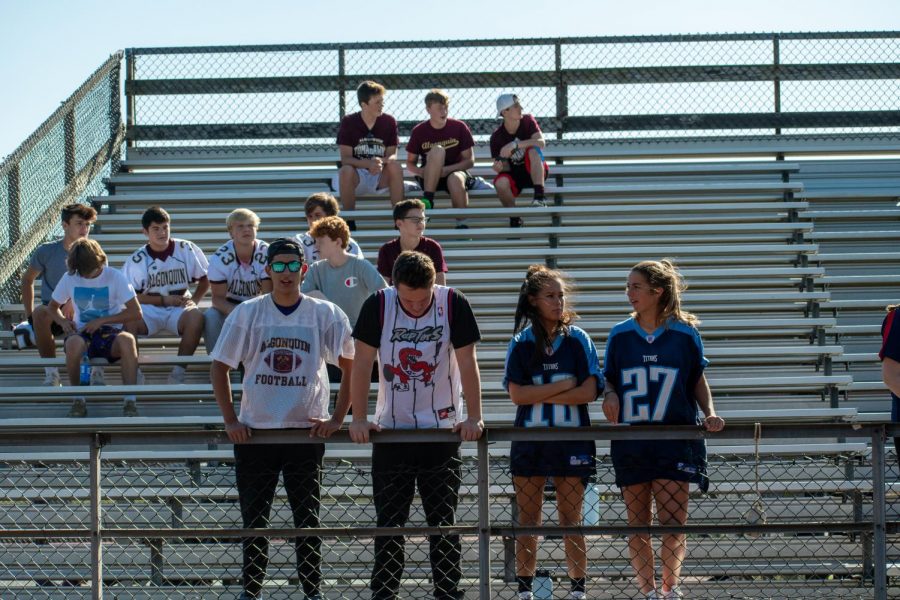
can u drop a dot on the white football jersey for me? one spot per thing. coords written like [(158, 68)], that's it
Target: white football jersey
[(167, 273), (311, 253), (243, 279), (285, 378)]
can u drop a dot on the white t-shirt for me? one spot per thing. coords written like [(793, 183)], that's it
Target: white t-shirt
[(243, 279), (167, 273), (284, 356), (311, 253), (102, 296)]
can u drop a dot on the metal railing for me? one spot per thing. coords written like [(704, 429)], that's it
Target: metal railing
[(161, 522), (600, 88), (63, 161)]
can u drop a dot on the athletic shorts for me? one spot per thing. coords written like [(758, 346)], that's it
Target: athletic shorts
[(161, 318), (100, 342), (55, 329), (553, 459), (367, 186), (642, 461), (519, 176), (442, 182)]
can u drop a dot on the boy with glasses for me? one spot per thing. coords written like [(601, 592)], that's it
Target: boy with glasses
[(284, 340), (410, 220)]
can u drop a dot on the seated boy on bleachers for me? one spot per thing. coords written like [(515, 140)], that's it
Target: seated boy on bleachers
[(318, 206), (237, 272), (410, 220), (49, 263), (446, 149), (161, 272), (367, 141), (103, 301), (518, 160)]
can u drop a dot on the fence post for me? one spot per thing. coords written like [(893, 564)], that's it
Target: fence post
[(484, 520), (776, 62), (879, 513), (69, 146), (15, 204), (115, 115), (342, 73), (96, 540), (129, 95)]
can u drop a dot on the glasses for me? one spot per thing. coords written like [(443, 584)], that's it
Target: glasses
[(293, 266), (417, 220)]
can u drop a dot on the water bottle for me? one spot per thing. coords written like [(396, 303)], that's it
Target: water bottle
[(591, 508), (84, 375), (543, 585)]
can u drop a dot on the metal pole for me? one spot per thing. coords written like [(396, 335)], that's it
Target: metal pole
[(342, 92), (776, 59), (96, 540), (484, 520), (130, 107), (879, 514)]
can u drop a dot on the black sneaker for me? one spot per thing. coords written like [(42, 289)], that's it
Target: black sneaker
[(516, 222), (462, 226)]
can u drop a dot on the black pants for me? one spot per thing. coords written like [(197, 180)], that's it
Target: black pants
[(257, 467), (396, 470)]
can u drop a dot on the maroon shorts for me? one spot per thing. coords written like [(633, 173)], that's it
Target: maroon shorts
[(519, 176)]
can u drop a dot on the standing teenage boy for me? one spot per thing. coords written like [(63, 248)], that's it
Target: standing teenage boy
[(161, 273), (367, 141), (445, 149), (516, 147), (283, 340), (49, 263), (424, 336)]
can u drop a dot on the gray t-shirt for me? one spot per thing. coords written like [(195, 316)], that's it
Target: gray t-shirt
[(49, 260), (348, 286)]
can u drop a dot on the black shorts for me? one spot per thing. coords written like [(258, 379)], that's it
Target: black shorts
[(575, 458), (642, 461), (100, 343), (442, 182), (520, 177), (55, 329)]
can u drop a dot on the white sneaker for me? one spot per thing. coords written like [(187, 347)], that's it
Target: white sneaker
[(525, 596), (176, 377), (51, 379), (574, 595), (539, 203), (411, 187), (673, 594), (652, 595), (98, 376), (480, 183)]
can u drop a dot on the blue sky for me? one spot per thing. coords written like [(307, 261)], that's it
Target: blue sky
[(50, 46)]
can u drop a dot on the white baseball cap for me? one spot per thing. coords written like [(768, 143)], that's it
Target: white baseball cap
[(505, 101)]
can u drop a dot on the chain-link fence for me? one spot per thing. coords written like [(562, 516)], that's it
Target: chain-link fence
[(615, 89), (152, 522), (64, 161)]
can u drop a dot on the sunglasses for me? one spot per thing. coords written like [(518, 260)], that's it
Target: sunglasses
[(279, 266), (417, 220)]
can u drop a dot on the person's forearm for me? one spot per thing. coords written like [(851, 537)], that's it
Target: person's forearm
[(524, 395), (583, 394), (472, 390), (131, 313), (28, 296), (890, 374), (342, 404), (222, 388), (359, 384), (222, 305), (704, 397), (202, 288)]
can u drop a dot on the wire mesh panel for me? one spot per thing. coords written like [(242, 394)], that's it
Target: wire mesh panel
[(616, 89), (770, 525)]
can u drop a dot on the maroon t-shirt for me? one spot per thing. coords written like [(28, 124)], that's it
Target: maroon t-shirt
[(389, 252), (368, 143), (455, 137), (528, 126)]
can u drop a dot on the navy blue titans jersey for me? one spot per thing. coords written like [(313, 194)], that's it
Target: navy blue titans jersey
[(654, 375), (572, 356)]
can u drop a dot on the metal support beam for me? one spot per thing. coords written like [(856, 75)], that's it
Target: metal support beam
[(96, 521)]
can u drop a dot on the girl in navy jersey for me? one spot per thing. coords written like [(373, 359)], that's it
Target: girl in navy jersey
[(552, 373), (654, 376)]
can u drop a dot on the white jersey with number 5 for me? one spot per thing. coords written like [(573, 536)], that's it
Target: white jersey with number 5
[(167, 273)]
